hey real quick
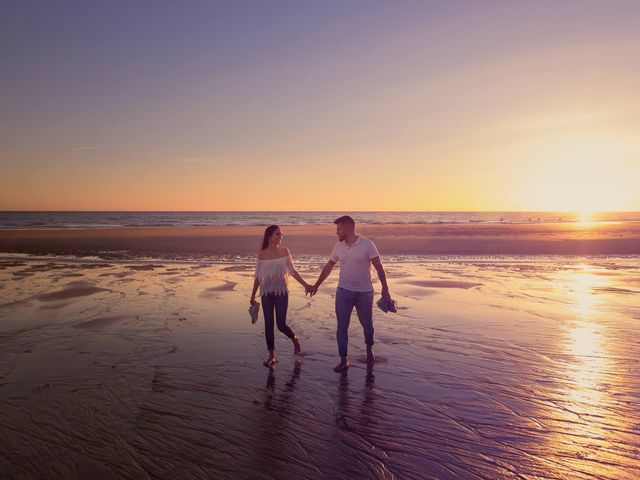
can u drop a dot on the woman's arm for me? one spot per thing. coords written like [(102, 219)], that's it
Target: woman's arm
[(256, 283), (294, 273)]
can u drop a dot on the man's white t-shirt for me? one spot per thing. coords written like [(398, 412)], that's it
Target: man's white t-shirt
[(355, 264)]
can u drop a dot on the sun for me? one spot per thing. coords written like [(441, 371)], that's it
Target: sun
[(585, 218), (580, 174)]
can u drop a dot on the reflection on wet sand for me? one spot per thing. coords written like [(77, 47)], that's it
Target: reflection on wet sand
[(284, 397), (274, 448), (587, 348), (589, 439), (585, 343), (366, 414)]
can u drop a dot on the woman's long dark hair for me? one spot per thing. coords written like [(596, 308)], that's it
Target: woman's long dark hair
[(267, 235)]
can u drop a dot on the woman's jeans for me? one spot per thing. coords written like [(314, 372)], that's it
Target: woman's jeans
[(275, 303), (345, 301)]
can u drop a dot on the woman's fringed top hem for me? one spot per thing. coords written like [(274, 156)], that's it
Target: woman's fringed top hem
[(273, 275)]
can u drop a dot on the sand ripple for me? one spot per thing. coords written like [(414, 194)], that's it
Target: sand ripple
[(71, 291), (441, 284)]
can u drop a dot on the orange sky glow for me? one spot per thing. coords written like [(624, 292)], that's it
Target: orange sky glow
[(421, 106)]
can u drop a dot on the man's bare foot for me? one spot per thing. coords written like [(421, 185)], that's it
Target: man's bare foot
[(296, 345), (341, 367), (370, 355)]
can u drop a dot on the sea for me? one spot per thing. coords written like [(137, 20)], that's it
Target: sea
[(93, 219)]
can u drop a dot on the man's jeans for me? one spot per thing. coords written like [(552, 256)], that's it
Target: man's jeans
[(345, 301)]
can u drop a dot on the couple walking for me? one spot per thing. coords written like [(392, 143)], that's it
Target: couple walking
[(355, 254)]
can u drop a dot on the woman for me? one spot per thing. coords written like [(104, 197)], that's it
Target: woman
[(272, 275)]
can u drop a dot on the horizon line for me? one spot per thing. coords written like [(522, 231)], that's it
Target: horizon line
[(316, 211)]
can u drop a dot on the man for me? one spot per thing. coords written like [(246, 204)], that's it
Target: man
[(356, 254)]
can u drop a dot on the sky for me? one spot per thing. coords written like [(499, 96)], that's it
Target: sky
[(332, 105)]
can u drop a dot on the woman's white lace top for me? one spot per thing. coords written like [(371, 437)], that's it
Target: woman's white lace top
[(273, 274)]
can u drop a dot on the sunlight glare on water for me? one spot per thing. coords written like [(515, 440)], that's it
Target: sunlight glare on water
[(585, 343), (585, 219), (585, 400)]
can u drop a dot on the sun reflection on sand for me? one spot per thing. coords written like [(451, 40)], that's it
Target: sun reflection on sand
[(582, 283), (588, 349), (586, 344), (588, 353)]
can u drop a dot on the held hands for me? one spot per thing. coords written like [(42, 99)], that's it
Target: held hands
[(311, 290)]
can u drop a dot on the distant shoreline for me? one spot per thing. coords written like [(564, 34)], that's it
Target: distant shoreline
[(108, 220), (406, 239), (360, 224)]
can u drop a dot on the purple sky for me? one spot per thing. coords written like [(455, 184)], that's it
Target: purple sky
[(362, 105)]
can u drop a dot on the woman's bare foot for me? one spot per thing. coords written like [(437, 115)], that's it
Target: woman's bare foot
[(296, 345), (270, 362), (342, 366), (370, 355)]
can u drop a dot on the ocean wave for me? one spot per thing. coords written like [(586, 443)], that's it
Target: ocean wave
[(70, 220)]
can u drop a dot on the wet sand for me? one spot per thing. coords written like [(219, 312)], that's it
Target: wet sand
[(476, 239), (493, 368)]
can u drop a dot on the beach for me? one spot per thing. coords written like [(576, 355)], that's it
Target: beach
[(156, 157), (140, 360)]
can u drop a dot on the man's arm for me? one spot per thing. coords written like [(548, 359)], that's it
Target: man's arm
[(326, 270), (377, 264)]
